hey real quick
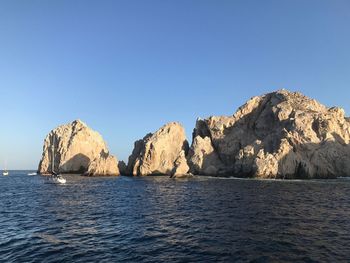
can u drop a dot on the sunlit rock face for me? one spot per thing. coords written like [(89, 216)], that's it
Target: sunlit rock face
[(162, 152), (103, 165), (278, 135), (203, 158), (77, 149)]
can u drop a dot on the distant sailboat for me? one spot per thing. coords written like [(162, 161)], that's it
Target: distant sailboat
[(57, 177), (5, 171)]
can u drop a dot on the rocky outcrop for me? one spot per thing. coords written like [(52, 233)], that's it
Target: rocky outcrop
[(278, 135), (76, 149), (104, 165), (203, 157), (122, 167), (162, 152), (181, 167)]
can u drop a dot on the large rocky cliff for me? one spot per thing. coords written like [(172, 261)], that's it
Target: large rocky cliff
[(77, 149), (278, 135), (162, 152)]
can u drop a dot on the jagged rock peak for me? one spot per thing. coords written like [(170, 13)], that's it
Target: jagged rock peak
[(284, 98), (78, 122), (162, 152)]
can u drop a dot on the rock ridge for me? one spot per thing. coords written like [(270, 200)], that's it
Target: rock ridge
[(281, 134)]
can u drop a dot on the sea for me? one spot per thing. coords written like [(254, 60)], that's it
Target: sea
[(158, 219)]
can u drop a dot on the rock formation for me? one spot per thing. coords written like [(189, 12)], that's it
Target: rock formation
[(278, 135), (77, 149), (103, 165), (162, 152), (181, 167), (122, 167), (203, 157)]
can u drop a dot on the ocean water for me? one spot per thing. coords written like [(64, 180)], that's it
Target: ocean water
[(157, 219)]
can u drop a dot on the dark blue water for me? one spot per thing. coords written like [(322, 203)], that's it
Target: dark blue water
[(156, 219)]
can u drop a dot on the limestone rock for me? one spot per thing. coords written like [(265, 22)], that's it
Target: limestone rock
[(75, 148), (203, 157), (103, 165), (181, 167), (278, 135), (160, 153)]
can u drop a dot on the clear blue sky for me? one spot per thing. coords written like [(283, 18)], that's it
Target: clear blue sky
[(128, 67)]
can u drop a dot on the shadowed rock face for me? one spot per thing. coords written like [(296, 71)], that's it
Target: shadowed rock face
[(77, 149), (162, 152), (278, 135)]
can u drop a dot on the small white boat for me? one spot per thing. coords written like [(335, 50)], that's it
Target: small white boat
[(60, 179), (5, 171), (32, 174)]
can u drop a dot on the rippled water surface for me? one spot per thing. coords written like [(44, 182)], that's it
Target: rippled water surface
[(156, 219)]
